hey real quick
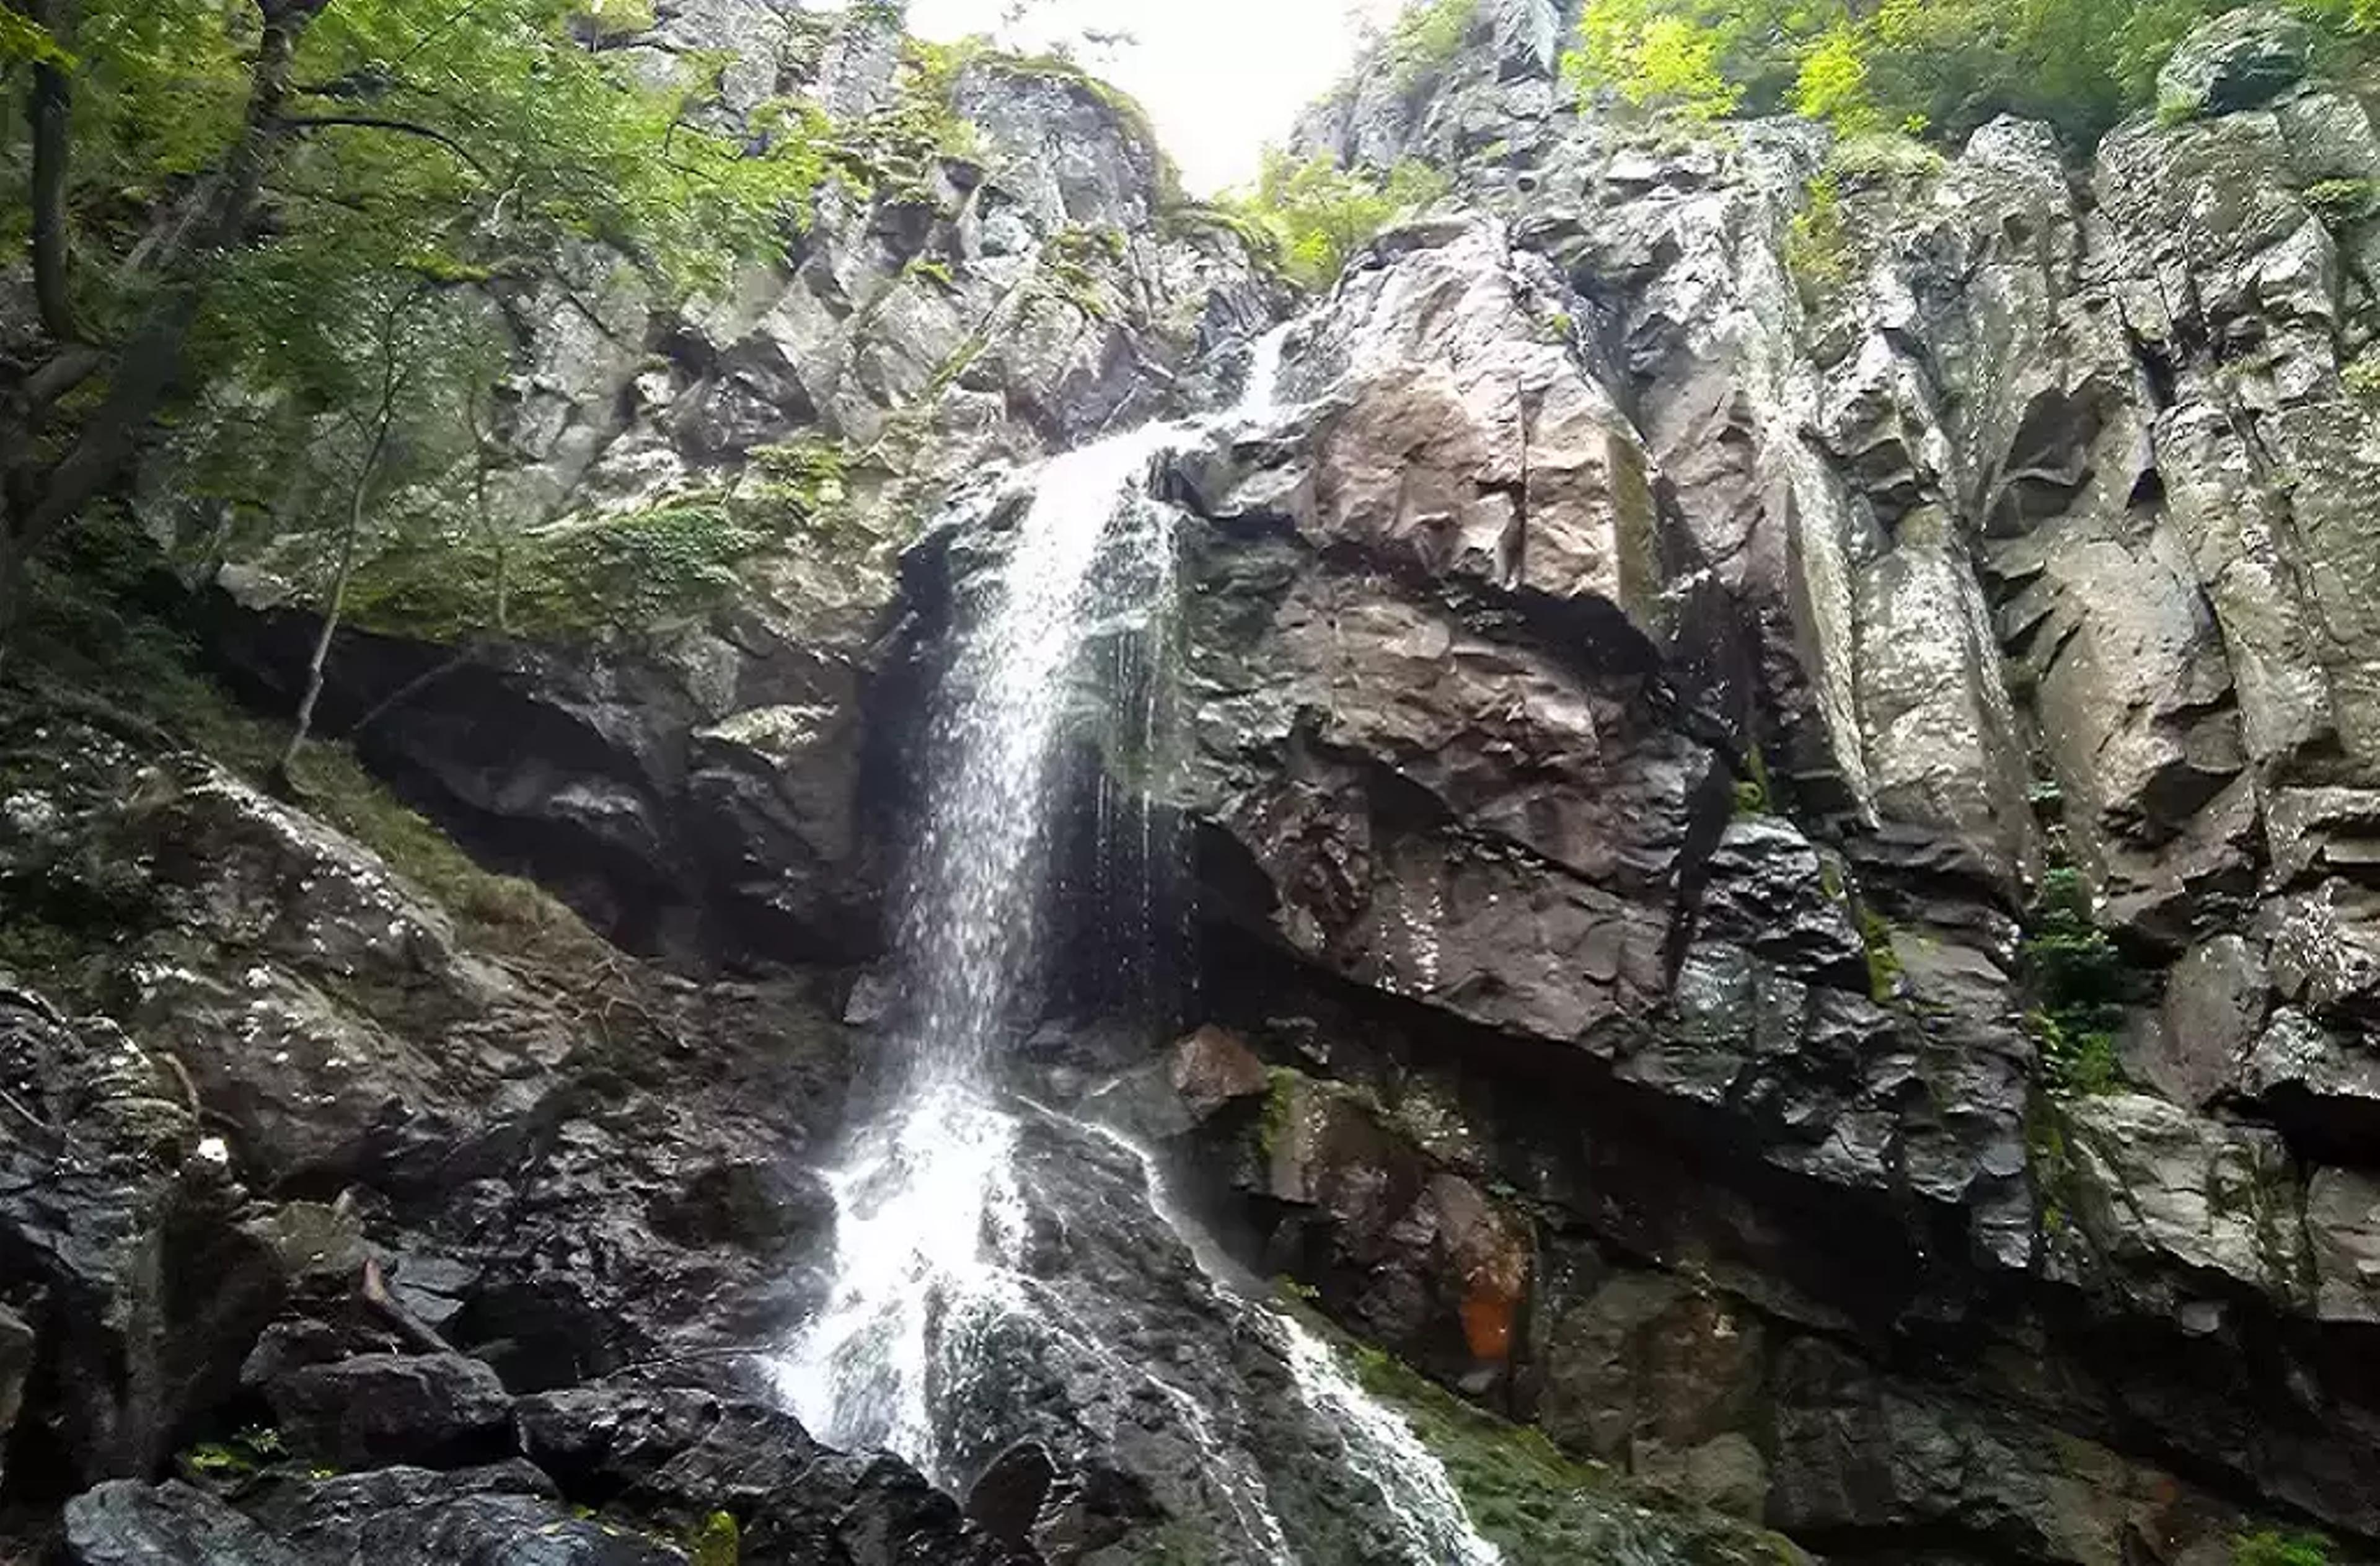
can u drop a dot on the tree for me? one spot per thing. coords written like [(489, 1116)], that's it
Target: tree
[(1314, 214), (1937, 66), (218, 190)]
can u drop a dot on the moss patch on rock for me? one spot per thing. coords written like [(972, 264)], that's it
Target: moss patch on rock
[(1542, 1507)]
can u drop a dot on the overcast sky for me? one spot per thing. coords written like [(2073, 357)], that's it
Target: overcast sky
[(1221, 77)]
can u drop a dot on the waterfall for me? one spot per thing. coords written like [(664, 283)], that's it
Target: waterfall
[(944, 1301)]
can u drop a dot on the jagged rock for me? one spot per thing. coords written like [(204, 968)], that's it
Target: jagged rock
[(2243, 60), (128, 1524), (1212, 1068), (2343, 1229), (681, 1449), (506, 1512), (2214, 1006), (377, 1409), (2321, 1082), (1007, 1496), (2159, 1195), (1651, 1374), (124, 1239)]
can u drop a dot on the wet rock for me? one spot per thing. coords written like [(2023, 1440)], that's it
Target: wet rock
[(1212, 1068), (1648, 1373), (2215, 1004), (2343, 1230), (2159, 1195), (17, 1344), (143, 1286), (128, 1524), (2320, 1082), (377, 1409), (509, 1512), (1007, 1496), (2242, 59), (685, 1452)]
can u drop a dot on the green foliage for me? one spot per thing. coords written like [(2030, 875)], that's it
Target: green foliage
[(894, 149), (2271, 1548), (1939, 65), (2361, 380), (1753, 795), (1077, 266), (1882, 158), (1280, 1118), (439, 163), (2339, 201), (1658, 55), (25, 41), (718, 1542), (2079, 981), (103, 619), (1426, 39), (1883, 962), (1817, 248), (1296, 1291), (1314, 215), (246, 1454)]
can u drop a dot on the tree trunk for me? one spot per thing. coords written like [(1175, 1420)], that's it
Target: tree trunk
[(392, 383), (283, 783), (146, 369), (51, 110)]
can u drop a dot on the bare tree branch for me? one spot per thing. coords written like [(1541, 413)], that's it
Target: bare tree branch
[(397, 126)]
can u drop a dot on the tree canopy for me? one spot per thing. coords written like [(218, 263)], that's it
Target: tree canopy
[(292, 233), (1939, 67)]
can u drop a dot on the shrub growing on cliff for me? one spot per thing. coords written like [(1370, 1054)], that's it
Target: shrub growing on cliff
[(2273, 1548), (1947, 66), (1312, 216), (1426, 39), (2078, 979)]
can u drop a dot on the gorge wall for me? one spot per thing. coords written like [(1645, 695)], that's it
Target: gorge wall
[(1780, 751)]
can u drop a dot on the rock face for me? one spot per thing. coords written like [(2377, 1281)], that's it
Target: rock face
[(1639, 695), (359, 1171), (1785, 827), (701, 787)]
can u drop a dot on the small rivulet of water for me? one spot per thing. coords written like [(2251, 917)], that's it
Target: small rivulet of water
[(953, 1307)]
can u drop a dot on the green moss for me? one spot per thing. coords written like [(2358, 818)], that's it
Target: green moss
[(2339, 201), (2271, 1548), (1536, 1504), (245, 1455), (1281, 1090), (2362, 380), (590, 578), (105, 623), (718, 1542), (1883, 158), (610, 20), (1883, 962)]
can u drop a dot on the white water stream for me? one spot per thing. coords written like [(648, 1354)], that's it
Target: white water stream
[(931, 1220)]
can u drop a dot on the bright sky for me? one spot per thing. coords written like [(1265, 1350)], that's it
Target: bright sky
[(1221, 77)]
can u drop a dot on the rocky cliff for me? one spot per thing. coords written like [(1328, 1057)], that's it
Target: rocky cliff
[(1780, 749)]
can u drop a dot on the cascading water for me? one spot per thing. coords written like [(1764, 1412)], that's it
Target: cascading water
[(945, 1298)]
